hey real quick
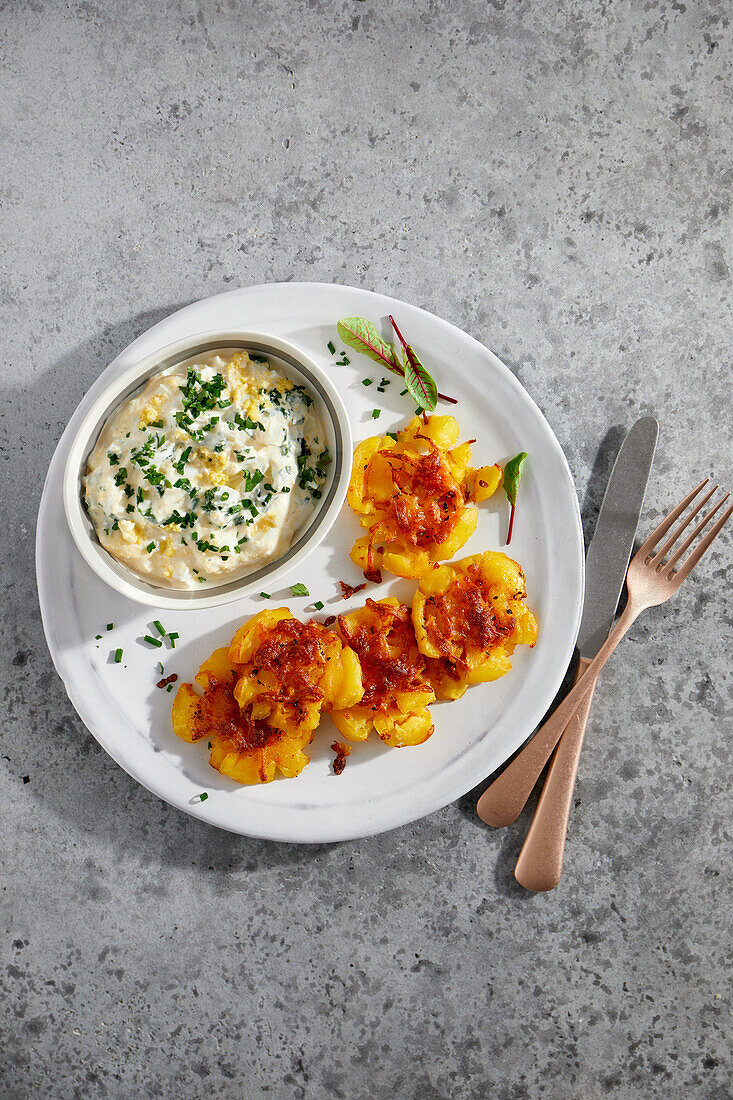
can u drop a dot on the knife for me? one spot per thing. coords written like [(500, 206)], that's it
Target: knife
[(606, 564), (613, 539), (539, 866)]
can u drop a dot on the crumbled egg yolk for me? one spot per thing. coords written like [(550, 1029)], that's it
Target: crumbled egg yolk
[(151, 411), (217, 464)]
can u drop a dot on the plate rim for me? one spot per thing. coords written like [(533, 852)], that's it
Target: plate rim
[(209, 813)]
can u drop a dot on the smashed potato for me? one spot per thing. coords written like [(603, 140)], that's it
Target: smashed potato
[(263, 696), (416, 495), (397, 691), (260, 700), (468, 617)]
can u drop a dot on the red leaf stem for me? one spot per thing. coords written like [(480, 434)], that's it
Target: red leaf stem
[(411, 356)]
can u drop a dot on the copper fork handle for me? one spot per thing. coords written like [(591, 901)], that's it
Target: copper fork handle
[(503, 801), (539, 866), (649, 581)]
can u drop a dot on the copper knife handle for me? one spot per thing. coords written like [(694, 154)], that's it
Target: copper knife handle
[(505, 798), (539, 866)]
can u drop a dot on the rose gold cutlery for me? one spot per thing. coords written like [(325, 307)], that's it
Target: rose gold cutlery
[(606, 564), (656, 572), (607, 559)]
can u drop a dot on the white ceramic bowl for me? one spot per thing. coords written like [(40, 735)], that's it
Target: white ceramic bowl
[(285, 357)]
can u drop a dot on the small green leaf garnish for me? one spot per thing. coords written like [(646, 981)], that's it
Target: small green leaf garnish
[(110, 626), (362, 335), (376, 413), (418, 379), (118, 656), (299, 589), (512, 477), (203, 796)]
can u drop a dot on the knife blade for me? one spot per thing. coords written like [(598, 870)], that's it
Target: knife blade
[(613, 539)]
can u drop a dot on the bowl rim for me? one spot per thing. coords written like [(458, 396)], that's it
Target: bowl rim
[(122, 579)]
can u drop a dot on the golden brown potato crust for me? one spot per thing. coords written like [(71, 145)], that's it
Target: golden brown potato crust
[(468, 617), (417, 496), (397, 691), (263, 696)]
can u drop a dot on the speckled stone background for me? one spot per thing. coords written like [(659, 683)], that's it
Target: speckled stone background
[(554, 178)]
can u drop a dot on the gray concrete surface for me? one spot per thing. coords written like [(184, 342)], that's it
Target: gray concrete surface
[(556, 180)]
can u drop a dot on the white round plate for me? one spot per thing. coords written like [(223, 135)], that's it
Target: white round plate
[(380, 788)]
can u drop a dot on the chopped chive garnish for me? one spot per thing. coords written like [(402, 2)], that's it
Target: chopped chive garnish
[(172, 639), (376, 414), (159, 627), (367, 381), (169, 688), (402, 393), (203, 796), (265, 595), (150, 547), (330, 347), (160, 667), (392, 435), (299, 589), (97, 637), (153, 641), (118, 656), (318, 605), (110, 626)]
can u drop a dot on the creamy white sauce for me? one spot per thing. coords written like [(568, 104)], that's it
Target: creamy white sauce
[(208, 472)]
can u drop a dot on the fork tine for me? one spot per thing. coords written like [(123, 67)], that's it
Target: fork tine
[(666, 547), (693, 535), (689, 564), (664, 526)]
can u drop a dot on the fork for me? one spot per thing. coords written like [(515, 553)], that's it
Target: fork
[(650, 581)]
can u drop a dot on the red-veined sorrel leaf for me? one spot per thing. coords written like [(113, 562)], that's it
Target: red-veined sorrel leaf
[(512, 477), (418, 380), (362, 335)]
